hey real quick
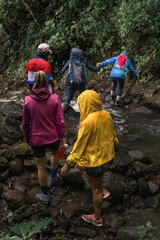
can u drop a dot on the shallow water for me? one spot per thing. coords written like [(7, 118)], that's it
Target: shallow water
[(135, 130)]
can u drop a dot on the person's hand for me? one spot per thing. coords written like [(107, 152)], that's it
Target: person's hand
[(64, 170), (63, 141), (97, 64)]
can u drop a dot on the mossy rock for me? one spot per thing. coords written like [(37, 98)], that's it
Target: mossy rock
[(22, 150)]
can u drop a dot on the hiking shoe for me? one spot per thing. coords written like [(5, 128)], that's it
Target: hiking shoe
[(42, 197), (53, 180), (91, 219), (105, 193)]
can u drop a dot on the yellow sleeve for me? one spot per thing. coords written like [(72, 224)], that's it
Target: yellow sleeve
[(80, 145)]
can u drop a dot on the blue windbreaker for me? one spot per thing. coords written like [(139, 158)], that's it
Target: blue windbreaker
[(117, 72)]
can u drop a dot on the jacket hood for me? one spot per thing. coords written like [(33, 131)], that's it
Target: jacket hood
[(40, 94), (88, 102), (122, 53)]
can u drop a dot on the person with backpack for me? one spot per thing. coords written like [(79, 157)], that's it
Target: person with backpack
[(94, 150), (43, 128), (76, 78), (37, 64), (120, 64)]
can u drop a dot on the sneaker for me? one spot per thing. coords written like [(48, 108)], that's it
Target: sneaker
[(42, 197), (53, 180), (92, 219), (105, 193)]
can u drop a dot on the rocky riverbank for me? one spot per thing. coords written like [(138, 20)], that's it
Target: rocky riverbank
[(133, 181)]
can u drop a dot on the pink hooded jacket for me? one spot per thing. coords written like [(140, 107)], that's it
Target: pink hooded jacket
[(43, 121)]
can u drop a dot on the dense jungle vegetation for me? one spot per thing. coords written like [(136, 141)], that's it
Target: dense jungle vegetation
[(101, 28)]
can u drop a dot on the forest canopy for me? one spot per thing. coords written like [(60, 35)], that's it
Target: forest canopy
[(101, 28)]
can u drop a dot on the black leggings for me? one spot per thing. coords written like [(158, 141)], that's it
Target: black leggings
[(120, 82)]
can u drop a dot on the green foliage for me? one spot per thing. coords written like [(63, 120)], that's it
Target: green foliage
[(101, 28), (145, 232), (24, 230)]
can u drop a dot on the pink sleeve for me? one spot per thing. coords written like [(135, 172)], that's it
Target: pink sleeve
[(26, 122), (59, 119)]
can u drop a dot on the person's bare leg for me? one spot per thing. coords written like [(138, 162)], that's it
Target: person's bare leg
[(42, 175), (96, 186), (54, 160)]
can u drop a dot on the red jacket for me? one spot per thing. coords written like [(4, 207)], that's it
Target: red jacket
[(35, 65)]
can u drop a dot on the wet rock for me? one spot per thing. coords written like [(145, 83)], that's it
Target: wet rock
[(54, 201), (3, 164), (78, 211), (135, 219), (131, 187), (140, 168), (64, 222), (58, 238), (8, 153), (143, 110), (4, 175), (153, 202), (42, 210), (82, 231), (60, 192), (12, 110), (121, 161), (14, 199), (132, 174), (30, 165), (115, 184), (22, 213), (74, 178), (16, 167), (144, 190), (128, 201), (138, 202), (137, 155), (153, 169), (114, 220), (154, 188), (22, 150)]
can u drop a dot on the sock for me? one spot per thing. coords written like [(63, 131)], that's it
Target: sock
[(44, 190), (53, 172)]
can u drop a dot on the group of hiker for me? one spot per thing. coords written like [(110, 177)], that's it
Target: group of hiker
[(44, 125)]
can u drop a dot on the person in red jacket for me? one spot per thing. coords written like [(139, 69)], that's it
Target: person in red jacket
[(43, 128), (37, 64)]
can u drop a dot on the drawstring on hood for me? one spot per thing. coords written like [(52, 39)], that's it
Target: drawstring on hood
[(40, 94)]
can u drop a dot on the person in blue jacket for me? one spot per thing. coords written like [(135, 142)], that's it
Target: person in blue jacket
[(120, 64), (76, 78)]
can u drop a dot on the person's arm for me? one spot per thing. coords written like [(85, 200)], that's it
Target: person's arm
[(59, 119), (26, 123), (90, 67), (66, 66), (80, 145), (107, 62), (131, 69)]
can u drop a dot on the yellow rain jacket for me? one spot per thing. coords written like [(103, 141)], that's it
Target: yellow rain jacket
[(96, 136)]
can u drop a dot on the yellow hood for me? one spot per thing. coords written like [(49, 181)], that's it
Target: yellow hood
[(88, 102)]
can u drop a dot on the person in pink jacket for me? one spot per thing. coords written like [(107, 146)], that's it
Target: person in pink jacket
[(43, 128)]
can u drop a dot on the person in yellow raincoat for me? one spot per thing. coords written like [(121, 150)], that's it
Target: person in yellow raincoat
[(94, 149)]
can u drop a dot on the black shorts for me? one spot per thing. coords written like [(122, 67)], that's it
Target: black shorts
[(97, 172), (40, 151)]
